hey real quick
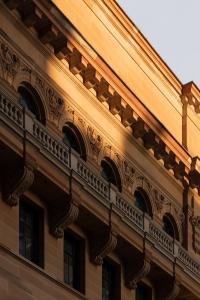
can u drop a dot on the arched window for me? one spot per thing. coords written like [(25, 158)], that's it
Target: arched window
[(170, 227), (110, 172), (73, 139), (30, 99), (142, 202)]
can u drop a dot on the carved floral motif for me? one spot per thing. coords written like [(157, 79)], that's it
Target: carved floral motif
[(10, 63), (128, 175), (95, 141), (56, 104)]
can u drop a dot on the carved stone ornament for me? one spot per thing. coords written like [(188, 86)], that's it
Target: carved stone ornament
[(195, 222), (143, 183), (102, 245), (159, 200), (9, 62), (56, 104), (61, 217), (134, 273), (16, 185), (128, 176), (95, 141), (174, 292)]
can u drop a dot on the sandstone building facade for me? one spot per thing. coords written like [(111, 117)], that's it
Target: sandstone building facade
[(99, 166)]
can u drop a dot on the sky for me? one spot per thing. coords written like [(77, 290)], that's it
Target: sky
[(173, 28)]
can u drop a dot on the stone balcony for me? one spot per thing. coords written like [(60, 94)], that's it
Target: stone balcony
[(23, 124)]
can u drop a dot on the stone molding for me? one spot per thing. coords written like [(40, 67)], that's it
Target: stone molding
[(15, 70), (80, 66)]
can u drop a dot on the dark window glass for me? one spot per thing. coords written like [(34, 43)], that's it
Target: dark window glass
[(30, 232), (110, 173), (70, 139), (73, 262), (168, 226), (27, 100), (110, 281), (140, 201), (73, 139), (143, 292)]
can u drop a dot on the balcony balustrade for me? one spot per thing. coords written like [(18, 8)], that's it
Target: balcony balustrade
[(12, 113)]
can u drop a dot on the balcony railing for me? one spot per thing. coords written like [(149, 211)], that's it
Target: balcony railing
[(12, 113)]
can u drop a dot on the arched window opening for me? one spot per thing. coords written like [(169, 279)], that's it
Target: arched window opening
[(30, 99), (110, 173), (142, 202), (73, 139), (170, 227)]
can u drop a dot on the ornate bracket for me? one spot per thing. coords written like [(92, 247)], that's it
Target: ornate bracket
[(174, 292), (62, 217), (15, 185), (195, 221), (140, 270), (103, 245)]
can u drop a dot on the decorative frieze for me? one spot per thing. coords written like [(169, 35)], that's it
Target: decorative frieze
[(128, 176), (95, 142), (15, 70), (195, 222), (9, 63), (55, 102), (105, 92)]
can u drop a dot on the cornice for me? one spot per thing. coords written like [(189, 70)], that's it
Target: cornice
[(121, 19), (129, 109)]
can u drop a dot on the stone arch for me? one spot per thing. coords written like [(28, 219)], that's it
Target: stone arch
[(143, 185), (37, 99), (172, 229), (110, 172), (175, 217), (78, 137), (28, 77)]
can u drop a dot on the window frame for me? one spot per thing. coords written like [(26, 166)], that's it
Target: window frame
[(116, 284), (80, 273), (149, 291), (38, 213)]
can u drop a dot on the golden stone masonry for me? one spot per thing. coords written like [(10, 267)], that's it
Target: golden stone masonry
[(99, 159)]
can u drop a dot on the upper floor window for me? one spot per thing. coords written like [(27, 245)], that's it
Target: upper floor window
[(73, 139), (110, 281), (31, 232), (110, 173), (143, 292), (74, 262), (170, 227), (141, 201), (30, 99)]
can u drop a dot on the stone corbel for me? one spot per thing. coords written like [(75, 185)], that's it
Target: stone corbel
[(174, 292), (141, 268), (102, 245), (17, 183), (61, 217)]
